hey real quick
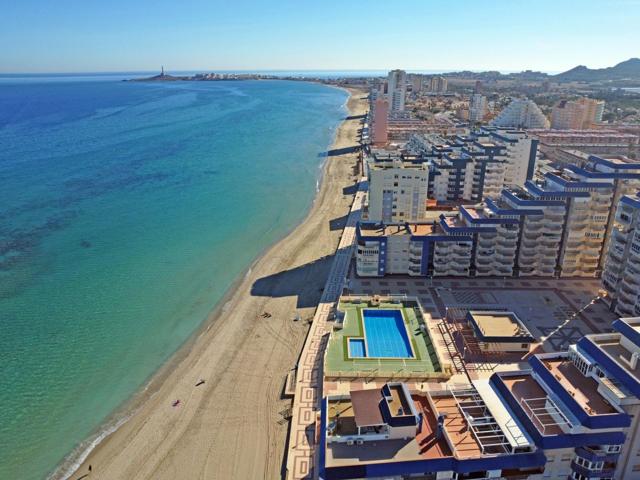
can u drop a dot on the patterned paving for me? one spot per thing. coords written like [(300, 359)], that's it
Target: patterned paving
[(543, 303), (301, 456)]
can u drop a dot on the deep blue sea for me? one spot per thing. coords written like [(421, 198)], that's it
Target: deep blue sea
[(126, 211)]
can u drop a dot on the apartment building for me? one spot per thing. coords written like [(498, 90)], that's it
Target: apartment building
[(477, 108), (398, 187), (571, 415), (439, 84), (595, 142), (381, 122), (466, 168), (416, 80), (542, 219), (558, 226), (621, 276), (578, 114), (521, 113), (515, 150), (396, 90), (400, 183), (520, 149), (376, 90)]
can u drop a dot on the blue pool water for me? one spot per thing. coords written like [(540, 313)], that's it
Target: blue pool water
[(386, 334), (356, 348)]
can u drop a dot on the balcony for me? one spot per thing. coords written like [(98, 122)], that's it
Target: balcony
[(483, 261)]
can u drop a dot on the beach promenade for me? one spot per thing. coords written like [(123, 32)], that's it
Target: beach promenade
[(235, 425), (308, 392)]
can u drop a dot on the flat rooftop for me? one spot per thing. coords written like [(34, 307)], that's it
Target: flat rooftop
[(622, 356), (338, 363), (422, 229), (396, 230), (453, 221), (423, 446), (399, 402), (366, 407), (619, 160), (492, 324), (581, 388), (455, 424), (533, 399), (381, 230)]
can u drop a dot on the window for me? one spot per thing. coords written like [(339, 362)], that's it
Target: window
[(583, 462)]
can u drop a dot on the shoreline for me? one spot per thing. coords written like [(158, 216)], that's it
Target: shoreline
[(105, 446)]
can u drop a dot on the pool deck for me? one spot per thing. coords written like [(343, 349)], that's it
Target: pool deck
[(425, 363)]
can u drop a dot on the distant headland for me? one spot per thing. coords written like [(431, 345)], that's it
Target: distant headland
[(164, 77)]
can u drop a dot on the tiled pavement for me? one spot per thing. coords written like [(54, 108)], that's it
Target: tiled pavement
[(301, 455), (558, 311)]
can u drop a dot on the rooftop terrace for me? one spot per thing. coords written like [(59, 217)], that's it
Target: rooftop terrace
[(542, 411), (338, 362), (611, 345), (423, 446), (582, 389)]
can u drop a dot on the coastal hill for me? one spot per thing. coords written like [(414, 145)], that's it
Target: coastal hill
[(623, 73), (629, 69)]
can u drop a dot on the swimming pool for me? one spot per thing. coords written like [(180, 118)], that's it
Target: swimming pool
[(357, 348), (385, 334)]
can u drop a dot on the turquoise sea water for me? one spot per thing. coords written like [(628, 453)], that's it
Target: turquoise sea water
[(126, 211)]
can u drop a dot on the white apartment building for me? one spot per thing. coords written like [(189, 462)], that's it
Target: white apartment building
[(621, 276), (517, 149), (541, 227), (521, 113), (401, 183), (477, 108), (520, 154), (398, 188), (588, 206), (556, 227), (397, 90)]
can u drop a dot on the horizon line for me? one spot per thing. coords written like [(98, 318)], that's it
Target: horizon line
[(253, 70)]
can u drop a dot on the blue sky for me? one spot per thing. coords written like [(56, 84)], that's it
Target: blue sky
[(125, 35)]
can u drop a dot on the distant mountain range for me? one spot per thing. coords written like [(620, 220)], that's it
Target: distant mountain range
[(627, 70), (623, 74)]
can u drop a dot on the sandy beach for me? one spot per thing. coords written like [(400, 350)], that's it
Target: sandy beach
[(233, 426)]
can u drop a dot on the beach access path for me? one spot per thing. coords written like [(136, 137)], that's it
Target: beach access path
[(302, 454), (234, 426)]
